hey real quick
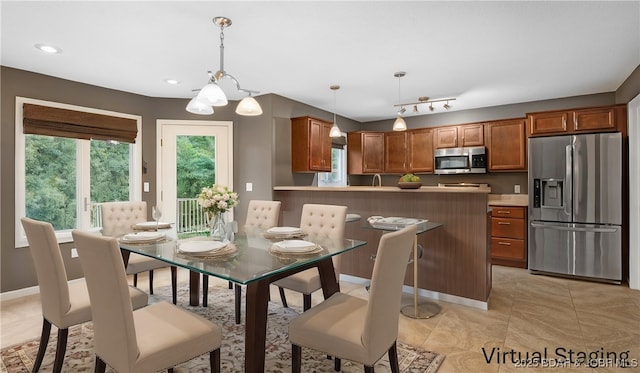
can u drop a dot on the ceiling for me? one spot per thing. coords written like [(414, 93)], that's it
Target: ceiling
[(482, 53)]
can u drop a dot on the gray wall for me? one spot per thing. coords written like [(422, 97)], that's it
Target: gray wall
[(630, 88)]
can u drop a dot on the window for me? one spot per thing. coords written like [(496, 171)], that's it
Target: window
[(60, 180), (338, 175)]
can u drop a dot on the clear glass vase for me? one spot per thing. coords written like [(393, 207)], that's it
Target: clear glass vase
[(218, 227)]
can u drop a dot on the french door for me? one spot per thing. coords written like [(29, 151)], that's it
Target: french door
[(191, 155)]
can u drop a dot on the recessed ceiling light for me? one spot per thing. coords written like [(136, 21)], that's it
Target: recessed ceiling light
[(172, 81), (48, 48)]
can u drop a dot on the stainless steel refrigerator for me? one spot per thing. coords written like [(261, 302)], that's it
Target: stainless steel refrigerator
[(575, 205)]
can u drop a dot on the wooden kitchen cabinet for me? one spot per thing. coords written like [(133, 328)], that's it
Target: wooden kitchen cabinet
[(506, 145), (420, 147), (365, 152), (310, 145), (587, 120), (459, 136), (409, 151), (509, 236), (395, 152)]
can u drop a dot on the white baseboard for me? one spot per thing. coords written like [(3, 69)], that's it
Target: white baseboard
[(16, 294), (426, 293)]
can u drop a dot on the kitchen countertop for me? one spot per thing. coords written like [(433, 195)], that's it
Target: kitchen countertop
[(423, 189), (509, 200)]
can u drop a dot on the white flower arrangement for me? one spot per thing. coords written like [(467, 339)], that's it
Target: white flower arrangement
[(217, 199)]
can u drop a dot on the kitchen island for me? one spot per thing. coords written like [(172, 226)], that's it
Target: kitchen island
[(456, 262)]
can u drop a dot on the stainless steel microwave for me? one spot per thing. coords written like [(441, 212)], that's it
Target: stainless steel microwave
[(471, 160)]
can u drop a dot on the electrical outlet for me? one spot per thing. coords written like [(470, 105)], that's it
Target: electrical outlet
[(249, 187), (516, 189), (74, 253)]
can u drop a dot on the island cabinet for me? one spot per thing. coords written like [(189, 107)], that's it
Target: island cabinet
[(408, 151), (597, 119), (310, 145), (509, 236), (459, 136), (506, 145), (365, 152)]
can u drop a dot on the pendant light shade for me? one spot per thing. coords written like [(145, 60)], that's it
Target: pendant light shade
[(199, 106), (399, 124), (335, 131), (213, 95), (249, 107)]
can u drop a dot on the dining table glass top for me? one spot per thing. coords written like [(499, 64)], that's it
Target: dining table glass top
[(252, 256)]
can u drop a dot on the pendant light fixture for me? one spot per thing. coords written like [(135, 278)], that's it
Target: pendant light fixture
[(400, 124), (335, 130), (212, 95)]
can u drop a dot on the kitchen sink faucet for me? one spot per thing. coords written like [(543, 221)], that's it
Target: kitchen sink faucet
[(373, 182)]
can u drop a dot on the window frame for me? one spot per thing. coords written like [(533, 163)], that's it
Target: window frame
[(83, 183)]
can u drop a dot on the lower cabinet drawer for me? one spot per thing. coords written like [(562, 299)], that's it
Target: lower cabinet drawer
[(507, 248), (511, 228)]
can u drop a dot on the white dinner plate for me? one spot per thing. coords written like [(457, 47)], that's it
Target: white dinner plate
[(295, 246), (152, 224), (284, 230), (192, 247), (143, 236)]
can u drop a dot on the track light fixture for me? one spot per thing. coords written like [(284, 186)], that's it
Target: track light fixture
[(400, 124), (426, 100), (212, 95)]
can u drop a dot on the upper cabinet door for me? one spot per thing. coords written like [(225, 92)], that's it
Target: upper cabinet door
[(471, 135), (447, 137), (420, 146), (395, 152), (506, 145), (365, 153), (550, 122), (310, 145), (594, 119)]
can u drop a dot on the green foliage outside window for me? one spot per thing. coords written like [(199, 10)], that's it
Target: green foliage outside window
[(195, 160)]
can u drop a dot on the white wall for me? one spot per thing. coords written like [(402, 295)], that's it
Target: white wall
[(634, 192)]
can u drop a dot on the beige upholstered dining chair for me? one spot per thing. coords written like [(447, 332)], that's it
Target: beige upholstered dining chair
[(118, 218), (360, 330), (319, 223), (261, 215), (64, 304), (149, 339)]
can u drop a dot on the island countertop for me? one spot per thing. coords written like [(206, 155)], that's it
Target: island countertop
[(423, 189)]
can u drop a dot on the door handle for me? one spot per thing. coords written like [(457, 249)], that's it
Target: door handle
[(575, 229)]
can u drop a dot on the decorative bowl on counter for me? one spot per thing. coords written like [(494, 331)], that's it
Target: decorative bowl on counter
[(409, 184)]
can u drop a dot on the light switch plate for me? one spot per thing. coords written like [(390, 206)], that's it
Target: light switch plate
[(249, 187), (145, 186), (74, 253)]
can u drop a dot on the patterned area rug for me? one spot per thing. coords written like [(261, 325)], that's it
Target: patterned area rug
[(80, 357)]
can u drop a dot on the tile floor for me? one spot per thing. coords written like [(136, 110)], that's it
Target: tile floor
[(527, 313)]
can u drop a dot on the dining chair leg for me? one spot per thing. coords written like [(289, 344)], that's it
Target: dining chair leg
[(170, 370), (393, 358), (296, 358), (44, 341), (336, 364), (101, 366), (151, 281), (61, 349), (368, 369), (214, 358), (230, 285), (135, 280), (205, 290), (283, 297), (174, 284), (237, 302), (306, 302)]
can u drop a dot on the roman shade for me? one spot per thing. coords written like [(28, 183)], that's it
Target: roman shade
[(51, 121)]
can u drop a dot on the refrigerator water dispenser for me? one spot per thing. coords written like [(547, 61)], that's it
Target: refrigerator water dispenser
[(552, 193)]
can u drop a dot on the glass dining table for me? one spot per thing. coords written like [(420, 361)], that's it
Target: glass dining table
[(251, 262)]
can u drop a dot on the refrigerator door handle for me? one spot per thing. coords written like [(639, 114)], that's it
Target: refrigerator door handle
[(576, 229), (568, 179)]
